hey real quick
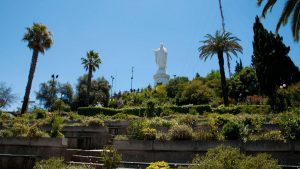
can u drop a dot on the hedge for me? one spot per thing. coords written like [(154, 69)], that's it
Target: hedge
[(140, 111)]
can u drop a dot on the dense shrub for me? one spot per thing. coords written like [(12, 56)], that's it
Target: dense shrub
[(223, 157), (39, 113), (159, 165), (273, 135), (135, 129), (149, 133), (56, 163), (188, 119), (231, 131), (57, 124), (203, 135), (181, 132), (111, 158), (95, 122), (35, 132)]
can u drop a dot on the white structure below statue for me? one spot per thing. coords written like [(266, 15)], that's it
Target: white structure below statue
[(161, 77)]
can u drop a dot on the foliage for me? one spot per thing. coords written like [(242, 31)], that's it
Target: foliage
[(203, 135), (231, 131), (111, 158), (196, 92), (35, 132), (150, 109), (239, 66), (149, 133), (94, 122), (99, 94), (39, 113), (223, 157), (56, 124), (159, 165), (176, 86), (91, 64), (181, 132), (39, 39), (290, 123), (56, 163), (218, 44), (135, 128), (274, 135), (6, 96), (243, 84), (121, 137), (260, 161), (271, 62), (290, 8)]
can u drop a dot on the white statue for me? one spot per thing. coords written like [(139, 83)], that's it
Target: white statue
[(161, 77), (161, 57)]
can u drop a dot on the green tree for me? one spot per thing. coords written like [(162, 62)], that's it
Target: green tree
[(243, 84), (90, 63), (238, 66), (196, 92), (6, 96), (176, 87), (219, 44), (52, 91), (39, 39), (99, 93), (271, 62), (290, 9)]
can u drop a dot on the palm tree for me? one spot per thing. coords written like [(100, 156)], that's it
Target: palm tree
[(228, 57), (291, 7), (219, 44), (39, 39), (90, 63)]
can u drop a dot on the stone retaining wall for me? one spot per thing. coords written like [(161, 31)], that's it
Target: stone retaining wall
[(21, 153), (184, 151)]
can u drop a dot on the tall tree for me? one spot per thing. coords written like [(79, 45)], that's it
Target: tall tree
[(39, 39), (52, 91), (238, 66), (99, 93), (6, 96), (219, 44), (271, 61), (291, 7), (90, 63)]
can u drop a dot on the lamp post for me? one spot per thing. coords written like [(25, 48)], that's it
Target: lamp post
[(131, 78), (112, 85), (53, 76)]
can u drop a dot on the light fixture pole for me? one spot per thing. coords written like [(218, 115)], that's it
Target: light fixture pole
[(53, 76), (112, 85), (131, 78)]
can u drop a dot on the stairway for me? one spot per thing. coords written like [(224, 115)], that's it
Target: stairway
[(85, 157)]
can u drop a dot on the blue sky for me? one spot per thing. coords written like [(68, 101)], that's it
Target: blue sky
[(125, 33)]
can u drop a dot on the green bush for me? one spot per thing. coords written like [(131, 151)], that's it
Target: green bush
[(230, 110), (94, 122), (57, 124), (149, 133), (273, 135), (231, 131), (159, 165), (111, 158), (223, 157), (56, 163), (39, 113), (135, 128), (188, 119), (203, 135), (260, 161), (181, 132), (35, 132), (19, 129)]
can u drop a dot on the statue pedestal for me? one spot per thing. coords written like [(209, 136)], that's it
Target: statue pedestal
[(161, 78)]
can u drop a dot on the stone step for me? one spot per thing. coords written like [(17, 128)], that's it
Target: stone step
[(71, 152), (87, 159), (93, 165)]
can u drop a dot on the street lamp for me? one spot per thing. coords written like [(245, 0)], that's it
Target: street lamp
[(112, 85), (53, 76)]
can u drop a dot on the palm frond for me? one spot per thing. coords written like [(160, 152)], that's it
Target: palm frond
[(296, 22)]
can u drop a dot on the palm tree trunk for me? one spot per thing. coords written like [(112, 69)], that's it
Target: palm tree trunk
[(223, 78), (87, 99), (29, 82), (222, 16)]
